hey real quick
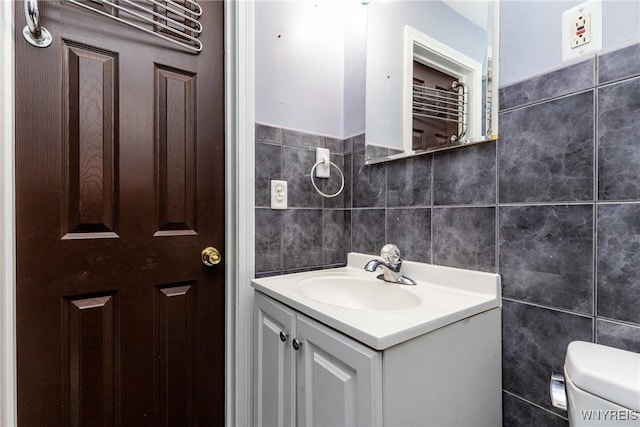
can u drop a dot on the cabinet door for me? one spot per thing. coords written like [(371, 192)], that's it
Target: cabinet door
[(338, 379), (273, 364)]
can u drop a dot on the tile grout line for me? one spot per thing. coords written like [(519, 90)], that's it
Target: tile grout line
[(386, 202), (620, 322), (532, 403), (432, 193), (596, 196), (548, 307), (497, 204), (282, 214), (619, 80), (545, 100)]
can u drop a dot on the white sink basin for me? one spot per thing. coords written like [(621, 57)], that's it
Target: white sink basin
[(359, 293), (382, 314)]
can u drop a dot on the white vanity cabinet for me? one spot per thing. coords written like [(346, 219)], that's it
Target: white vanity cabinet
[(448, 377), (330, 380), (372, 353)]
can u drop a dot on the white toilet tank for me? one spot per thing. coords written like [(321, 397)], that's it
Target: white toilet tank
[(602, 386)]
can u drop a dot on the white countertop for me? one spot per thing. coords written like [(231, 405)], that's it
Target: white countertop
[(444, 295)]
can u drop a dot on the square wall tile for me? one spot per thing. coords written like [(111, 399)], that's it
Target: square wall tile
[(296, 170), (618, 137), (520, 413), (618, 335), (618, 261), (564, 81), (619, 64), (335, 145), (373, 152), (294, 138), (465, 237), (546, 255), (267, 274), (409, 181), (337, 236), (301, 238), (367, 231), (534, 345), (270, 134), (348, 177), (332, 184), (410, 231), (357, 143), (369, 183), (465, 176), (268, 249), (268, 167), (545, 151)]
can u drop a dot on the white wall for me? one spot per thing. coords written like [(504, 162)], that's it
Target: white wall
[(311, 78), (300, 65), (355, 34), (530, 33), (311, 62)]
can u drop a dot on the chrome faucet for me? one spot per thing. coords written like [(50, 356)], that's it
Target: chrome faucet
[(391, 266)]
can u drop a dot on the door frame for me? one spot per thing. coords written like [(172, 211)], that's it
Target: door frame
[(7, 221), (240, 197), (239, 206)]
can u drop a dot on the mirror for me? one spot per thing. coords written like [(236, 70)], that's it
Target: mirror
[(431, 76)]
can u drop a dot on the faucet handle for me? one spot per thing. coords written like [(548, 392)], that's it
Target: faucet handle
[(390, 254)]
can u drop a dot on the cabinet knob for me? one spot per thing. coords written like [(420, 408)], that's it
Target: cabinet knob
[(296, 344), (283, 336)]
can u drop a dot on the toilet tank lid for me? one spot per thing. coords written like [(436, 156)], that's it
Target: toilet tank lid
[(609, 373)]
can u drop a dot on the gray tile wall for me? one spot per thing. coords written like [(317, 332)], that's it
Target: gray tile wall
[(568, 222), (553, 206), (314, 232)]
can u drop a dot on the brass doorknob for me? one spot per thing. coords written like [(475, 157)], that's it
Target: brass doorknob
[(211, 256)]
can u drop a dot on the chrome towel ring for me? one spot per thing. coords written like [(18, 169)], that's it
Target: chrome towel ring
[(33, 32), (324, 162)]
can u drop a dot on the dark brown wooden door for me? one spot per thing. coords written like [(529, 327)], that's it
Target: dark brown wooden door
[(120, 185)]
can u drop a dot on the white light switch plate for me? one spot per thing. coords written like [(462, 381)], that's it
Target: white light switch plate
[(278, 194)]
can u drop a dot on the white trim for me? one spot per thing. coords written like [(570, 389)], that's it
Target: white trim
[(437, 55), (7, 220), (495, 71), (240, 171)]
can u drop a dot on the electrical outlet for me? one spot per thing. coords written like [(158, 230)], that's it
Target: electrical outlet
[(581, 33), (582, 30), (278, 194)]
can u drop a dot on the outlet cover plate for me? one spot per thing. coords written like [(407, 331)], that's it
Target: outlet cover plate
[(591, 11), (278, 194)]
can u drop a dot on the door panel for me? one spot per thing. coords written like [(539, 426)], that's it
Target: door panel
[(174, 357), (119, 186), (89, 338), (175, 113), (90, 141)]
